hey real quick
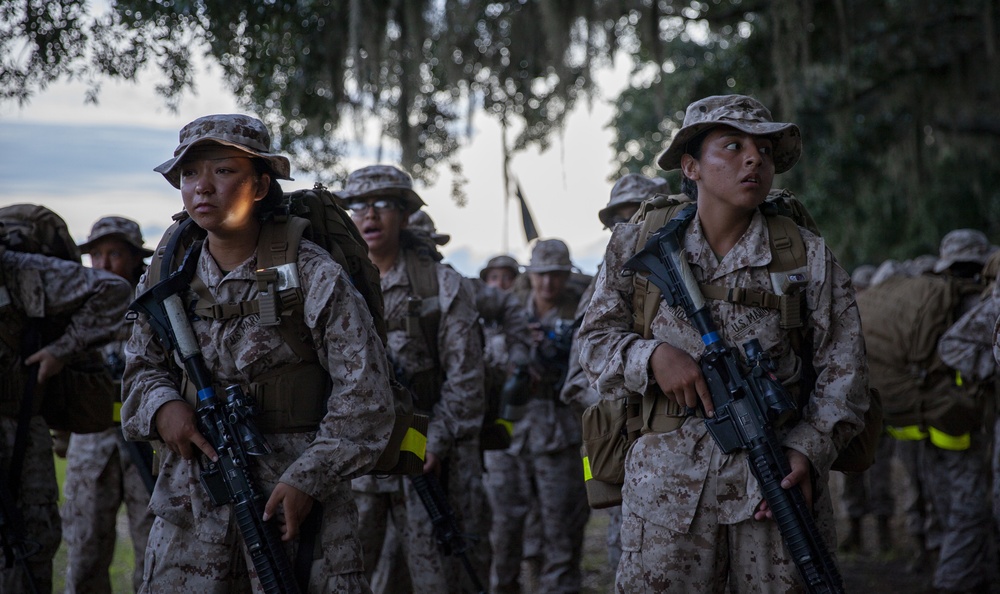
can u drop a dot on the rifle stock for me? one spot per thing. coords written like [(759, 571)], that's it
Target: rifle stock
[(227, 425), (749, 403)]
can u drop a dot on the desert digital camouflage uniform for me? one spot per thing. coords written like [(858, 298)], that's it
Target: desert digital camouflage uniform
[(44, 287), (542, 466), (453, 434), (961, 478), (679, 485), (195, 547), (101, 474)]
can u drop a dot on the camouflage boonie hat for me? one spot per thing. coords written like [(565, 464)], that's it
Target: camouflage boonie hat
[(248, 134), (861, 278), (743, 113), (920, 265), (886, 270), (631, 189), (421, 222), (963, 245), (126, 229), (550, 255), (381, 180), (500, 262)]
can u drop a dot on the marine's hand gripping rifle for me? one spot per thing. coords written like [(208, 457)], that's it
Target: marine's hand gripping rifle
[(227, 424), (749, 401)]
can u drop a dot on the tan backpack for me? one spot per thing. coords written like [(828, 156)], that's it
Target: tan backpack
[(81, 397)]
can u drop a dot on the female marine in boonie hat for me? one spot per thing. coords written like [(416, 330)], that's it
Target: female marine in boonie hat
[(684, 498), (327, 416)]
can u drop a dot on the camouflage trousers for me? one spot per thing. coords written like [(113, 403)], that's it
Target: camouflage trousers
[(745, 557), (100, 477), (921, 521), (554, 483), (37, 501), (177, 561), (871, 491), (962, 504), (403, 511)]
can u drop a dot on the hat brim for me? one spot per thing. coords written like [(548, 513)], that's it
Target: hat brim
[(87, 245), (786, 137), (945, 263), (279, 164), (411, 200), (484, 271), (605, 213)]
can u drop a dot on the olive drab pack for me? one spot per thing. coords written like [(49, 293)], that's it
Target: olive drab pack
[(606, 443), (80, 398), (902, 319), (314, 215)]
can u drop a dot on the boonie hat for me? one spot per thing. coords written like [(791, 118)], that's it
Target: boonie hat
[(550, 255), (737, 111), (500, 262), (963, 245), (421, 222), (242, 132), (127, 229), (921, 264), (861, 278), (381, 180), (631, 189)]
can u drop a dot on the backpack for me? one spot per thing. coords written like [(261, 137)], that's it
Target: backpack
[(902, 320), (311, 214), (610, 427), (81, 397)]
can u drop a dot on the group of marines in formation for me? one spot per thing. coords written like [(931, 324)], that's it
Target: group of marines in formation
[(691, 517)]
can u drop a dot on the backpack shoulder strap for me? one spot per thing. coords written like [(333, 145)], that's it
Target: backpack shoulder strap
[(423, 313), (653, 214)]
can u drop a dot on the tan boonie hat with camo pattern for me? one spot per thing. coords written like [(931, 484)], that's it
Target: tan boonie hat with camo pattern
[(550, 255), (126, 229), (421, 222), (963, 245), (242, 132), (381, 180), (631, 189), (500, 262), (743, 113)]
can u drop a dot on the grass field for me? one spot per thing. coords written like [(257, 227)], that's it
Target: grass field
[(124, 560)]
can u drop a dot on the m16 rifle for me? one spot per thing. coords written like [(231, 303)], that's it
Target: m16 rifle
[(227, 424), (749, 403)]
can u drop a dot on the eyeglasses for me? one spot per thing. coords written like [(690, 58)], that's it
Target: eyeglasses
[(358, 209)]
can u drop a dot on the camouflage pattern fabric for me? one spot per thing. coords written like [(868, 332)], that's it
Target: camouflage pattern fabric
[(42, 286), (540, 469), (100, 477), (967, 556), (346, 444), (705, 487), (453, 435)]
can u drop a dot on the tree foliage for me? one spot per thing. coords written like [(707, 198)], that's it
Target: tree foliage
[(420, 67), (895, 99)]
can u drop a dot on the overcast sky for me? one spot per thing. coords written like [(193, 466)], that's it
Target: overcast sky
[(88, 161)]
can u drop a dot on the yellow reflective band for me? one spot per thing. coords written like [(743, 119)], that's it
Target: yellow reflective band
[(909, 433), (955, 443), (414, 442), (116, 413), (958, 378), (507, 425), (587, 475)]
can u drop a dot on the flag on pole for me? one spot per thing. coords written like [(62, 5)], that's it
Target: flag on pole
[(530, 231)]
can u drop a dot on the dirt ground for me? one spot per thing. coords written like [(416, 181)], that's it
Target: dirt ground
[(868, 571)]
